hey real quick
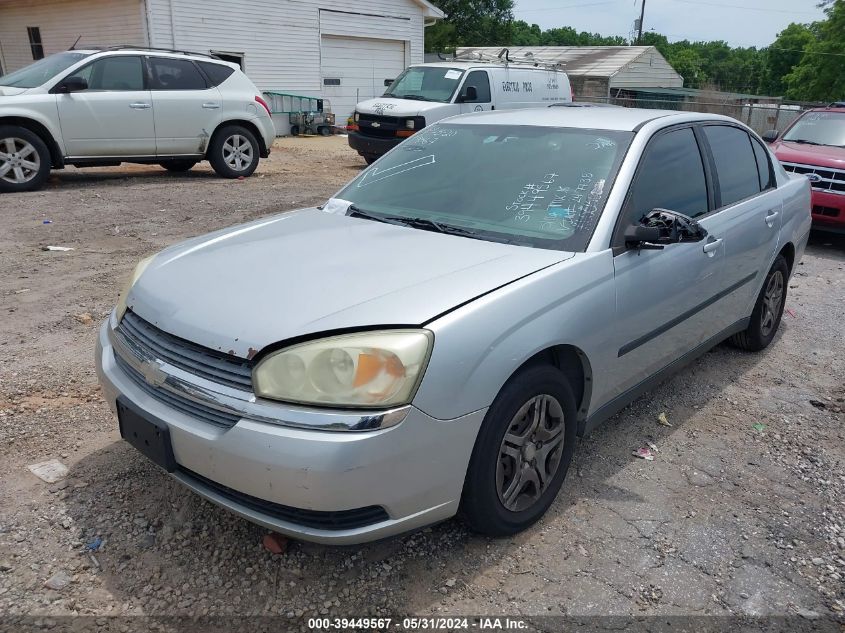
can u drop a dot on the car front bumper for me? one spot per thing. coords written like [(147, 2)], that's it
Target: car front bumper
[(828, 211), (414, 470), (372, 146)]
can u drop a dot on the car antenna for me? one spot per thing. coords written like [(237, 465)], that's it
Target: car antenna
[(72, 48)]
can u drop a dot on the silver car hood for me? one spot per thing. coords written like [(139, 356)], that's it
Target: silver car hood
[(308, 271)]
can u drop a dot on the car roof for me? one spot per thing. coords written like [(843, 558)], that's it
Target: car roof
[(622, 119)]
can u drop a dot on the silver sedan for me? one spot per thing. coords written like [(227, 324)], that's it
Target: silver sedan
[(435, 337)]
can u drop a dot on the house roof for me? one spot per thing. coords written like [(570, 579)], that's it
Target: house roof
[(592, 61), (430, 11)]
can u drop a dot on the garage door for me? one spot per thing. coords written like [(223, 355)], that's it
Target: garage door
[(354, 69)]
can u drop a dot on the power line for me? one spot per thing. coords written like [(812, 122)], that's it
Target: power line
[(744, 8), (567, 6)]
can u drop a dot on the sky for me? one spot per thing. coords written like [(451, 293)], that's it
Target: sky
[(738, 22)]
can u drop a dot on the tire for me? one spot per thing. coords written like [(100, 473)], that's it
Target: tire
[(233, 152), (324, 130), (768, 310), (178, 165), (494, 501), (294, 130), (25, 160), (370, 158)]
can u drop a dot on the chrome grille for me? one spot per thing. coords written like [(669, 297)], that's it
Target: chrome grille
[(832, 180), (201, 361), (188, 407)]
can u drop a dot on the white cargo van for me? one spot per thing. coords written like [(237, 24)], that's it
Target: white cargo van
[(427, 93)]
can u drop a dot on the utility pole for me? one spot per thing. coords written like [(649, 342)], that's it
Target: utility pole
[(640, 30)]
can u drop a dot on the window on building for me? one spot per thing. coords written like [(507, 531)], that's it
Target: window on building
[(35, 44), (235, 58), (331, 81), (736, 165), (175, 74)]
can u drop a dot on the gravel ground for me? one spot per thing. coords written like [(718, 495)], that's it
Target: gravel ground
[(729, 519)]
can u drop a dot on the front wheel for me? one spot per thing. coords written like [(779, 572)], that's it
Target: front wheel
[(370, 158), (522, 453), (233, 152), (765, 319), (24, 160)]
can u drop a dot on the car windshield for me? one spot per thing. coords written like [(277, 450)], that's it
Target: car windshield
[(42, 71), (818, 128), (534, 186), (426, 83)]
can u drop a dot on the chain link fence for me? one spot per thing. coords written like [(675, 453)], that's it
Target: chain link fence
[(758, 116)]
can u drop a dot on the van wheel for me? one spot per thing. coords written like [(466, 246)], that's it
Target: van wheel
[(522, 453), (178, 165), (233, 152), (25, 160), (294, 130), (324, 130)]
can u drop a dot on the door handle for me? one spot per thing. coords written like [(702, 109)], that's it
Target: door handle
[(711, 246), (770, 217), (139, 105), (211, 106)]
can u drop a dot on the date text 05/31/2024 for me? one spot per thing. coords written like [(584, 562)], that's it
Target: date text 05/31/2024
[(418, 624)]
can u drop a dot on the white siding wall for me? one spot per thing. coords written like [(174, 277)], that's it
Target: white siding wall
[(649, 70), (281, 38), (62, 21)]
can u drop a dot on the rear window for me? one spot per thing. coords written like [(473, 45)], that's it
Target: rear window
[(736, 165), (175, 74), (216, 73)]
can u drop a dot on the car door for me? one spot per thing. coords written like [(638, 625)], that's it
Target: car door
[(187, 108), (748, 214), (665, 298), (479, 80), (114, 116)]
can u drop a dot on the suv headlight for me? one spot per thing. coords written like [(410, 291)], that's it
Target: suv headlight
[(120, 308), (365, 370)]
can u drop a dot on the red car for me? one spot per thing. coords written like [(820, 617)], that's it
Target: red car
[(815, 145)]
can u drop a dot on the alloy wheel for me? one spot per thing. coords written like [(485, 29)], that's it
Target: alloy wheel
[(19, 160), (530, 452), (772, 298), (237, 152)]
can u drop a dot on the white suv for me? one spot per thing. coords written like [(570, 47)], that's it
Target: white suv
[(134, 105)]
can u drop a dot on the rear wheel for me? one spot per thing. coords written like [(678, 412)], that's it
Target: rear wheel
[(294, 130), (25, 160), (521, 454), (178, 165), (233, 152), (370, 158), (765, 319), (324, 130)]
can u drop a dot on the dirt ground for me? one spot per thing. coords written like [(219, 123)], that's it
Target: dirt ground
[(729, 519)]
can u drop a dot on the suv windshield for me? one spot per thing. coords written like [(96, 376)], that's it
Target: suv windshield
[(42, 71), (426, 83), (534, 186), (818, 128)]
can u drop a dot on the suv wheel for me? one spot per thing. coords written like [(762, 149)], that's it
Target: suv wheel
[(25, 160), (233, 152), (522, 453), (178, 165)]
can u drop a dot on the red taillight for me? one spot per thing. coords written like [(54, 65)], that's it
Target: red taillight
[(572, 93), (263, 103)]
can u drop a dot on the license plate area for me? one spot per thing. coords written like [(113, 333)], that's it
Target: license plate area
[(146, 433)]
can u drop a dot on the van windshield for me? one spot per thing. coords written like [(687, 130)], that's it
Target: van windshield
[(41, 71), (426, 83), (534, 186)]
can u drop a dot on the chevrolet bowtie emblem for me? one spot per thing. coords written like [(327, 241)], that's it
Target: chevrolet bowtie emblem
[(153, 373), (375, 124)]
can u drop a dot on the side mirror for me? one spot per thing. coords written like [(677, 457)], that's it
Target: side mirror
[(771, 136), (641, 236), (661, 227), (469, 93), (70, 84)]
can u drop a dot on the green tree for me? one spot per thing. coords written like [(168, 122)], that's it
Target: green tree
[(471, 23), (783, 56), (819, 76)]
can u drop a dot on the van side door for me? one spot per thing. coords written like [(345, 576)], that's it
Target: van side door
[(479, 98)]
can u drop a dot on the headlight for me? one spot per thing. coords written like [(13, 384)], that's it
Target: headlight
[(409, 123), (120, 309), (356, 117), (366, 370)]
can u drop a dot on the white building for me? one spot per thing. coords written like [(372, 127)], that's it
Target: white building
[(341, 50)]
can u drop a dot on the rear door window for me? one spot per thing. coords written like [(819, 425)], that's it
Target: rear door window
[(175, 74), (764, 167), (670, 176), (736, 164)]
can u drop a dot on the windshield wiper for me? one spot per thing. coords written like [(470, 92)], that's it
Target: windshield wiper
[(418, 223), (414, 97), (801, 141)]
